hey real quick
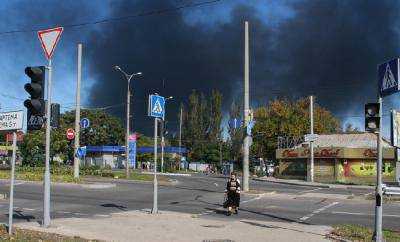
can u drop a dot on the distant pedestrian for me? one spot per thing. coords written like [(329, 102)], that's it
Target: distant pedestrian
[(232, 194)]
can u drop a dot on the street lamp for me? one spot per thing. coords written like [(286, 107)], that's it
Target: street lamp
[(162, 138), (128, 77)]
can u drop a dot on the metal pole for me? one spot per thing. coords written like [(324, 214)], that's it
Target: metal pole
[(77, 111), (162, 145), (155, 198), (246, 109), (46, 199), (11, 208), (180, 140), (378, 192), (128, 105), (311, 178)]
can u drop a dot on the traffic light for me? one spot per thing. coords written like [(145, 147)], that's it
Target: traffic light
[(35, 104), (372, 118)]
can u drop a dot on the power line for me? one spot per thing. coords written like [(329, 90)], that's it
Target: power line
[(115, 19)]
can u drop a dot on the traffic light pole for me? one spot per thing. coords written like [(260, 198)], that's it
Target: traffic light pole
[(378, 192), (46, 199)]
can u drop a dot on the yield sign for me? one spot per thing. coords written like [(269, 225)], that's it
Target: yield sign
[(49, 39)]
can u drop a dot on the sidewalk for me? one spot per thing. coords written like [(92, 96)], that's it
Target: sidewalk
[(311, 184), (179, 227)]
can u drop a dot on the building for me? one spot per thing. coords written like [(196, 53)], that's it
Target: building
[(114, 156), (338, 157)]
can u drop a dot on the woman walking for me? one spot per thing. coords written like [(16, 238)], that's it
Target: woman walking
[(233, 194)]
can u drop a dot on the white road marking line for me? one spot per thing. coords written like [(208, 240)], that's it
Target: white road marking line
[(317, 211), (81, 214), (64, 212), (102, 215), (365, 214), (313, 190), (250, 200), (29, 209)]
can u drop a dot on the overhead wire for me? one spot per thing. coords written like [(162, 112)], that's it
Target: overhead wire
[(115, 19)]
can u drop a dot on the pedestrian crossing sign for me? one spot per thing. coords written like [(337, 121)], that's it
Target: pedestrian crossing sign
[(156, 106), (388, 76)]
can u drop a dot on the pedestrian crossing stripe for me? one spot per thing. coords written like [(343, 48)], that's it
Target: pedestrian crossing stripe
[(388, 79), (157, 107)]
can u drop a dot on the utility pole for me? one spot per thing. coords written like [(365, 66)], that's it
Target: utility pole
[(246, 109), (378, 193), (46, 184), (180, 138), (77, 111), (155, 185), (162, 145), (311, 177)]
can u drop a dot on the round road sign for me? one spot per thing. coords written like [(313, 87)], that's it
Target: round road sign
[(85, 123), (70, 134)]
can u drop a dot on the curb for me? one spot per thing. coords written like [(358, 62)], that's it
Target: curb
[(294, 184), (98, 186), (166, 174), (337, 186)]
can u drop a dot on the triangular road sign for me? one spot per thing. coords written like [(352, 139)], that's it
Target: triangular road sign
[(49, 39)]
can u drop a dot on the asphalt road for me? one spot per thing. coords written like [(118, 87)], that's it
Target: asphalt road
[(203, 195)]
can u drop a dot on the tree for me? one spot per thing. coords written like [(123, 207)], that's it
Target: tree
[(202, 126), (235, 140), (288, 118), (104, 130)]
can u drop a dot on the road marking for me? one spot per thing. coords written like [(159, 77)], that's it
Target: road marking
[(317, 211), (81, 214), (64, 212), (102, 215), (29, 209), (256, 198), (313, 190), (365, 214), (216, 184)]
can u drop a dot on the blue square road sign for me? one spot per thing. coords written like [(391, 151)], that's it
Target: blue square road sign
[(388, 77), (156, 106)]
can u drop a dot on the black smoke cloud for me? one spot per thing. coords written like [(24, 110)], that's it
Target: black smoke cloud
[(175, 58), (327, 48)]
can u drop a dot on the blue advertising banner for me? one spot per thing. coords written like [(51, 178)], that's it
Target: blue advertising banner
[(132, 153)]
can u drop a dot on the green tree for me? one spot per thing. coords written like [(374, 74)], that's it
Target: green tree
[(104, 130), (235, 140), (202, 126), (288, 118)]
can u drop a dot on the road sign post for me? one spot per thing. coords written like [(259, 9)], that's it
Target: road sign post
[(49, 39), (156, 109), (388, 83), (12, 121)]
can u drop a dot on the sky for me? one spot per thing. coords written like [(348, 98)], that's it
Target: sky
[(329, 49)]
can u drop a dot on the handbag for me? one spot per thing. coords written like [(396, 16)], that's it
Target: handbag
[(225, 203)]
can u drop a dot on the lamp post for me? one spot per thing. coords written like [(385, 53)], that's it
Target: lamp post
[(162, 138), (128, 77)]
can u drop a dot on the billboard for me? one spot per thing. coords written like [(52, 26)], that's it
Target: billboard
[(395, 128)]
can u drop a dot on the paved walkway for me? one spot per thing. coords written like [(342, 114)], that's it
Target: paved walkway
[(171, 226)]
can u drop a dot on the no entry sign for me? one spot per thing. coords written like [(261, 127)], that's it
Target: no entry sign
[(70, 134)]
